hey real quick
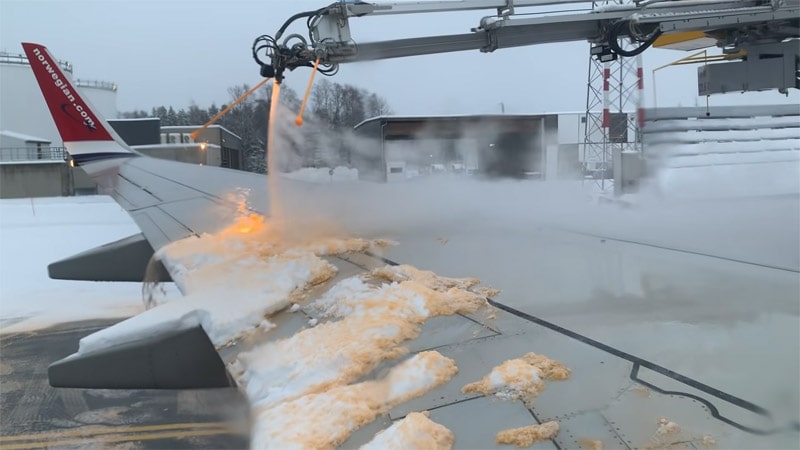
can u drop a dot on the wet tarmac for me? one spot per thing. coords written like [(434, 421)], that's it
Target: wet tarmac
[(35, 415)]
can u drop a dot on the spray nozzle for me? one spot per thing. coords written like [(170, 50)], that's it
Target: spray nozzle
[(267, 71)]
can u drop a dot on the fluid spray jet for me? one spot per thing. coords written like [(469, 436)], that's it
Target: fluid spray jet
[(299, 119), (275, 207)]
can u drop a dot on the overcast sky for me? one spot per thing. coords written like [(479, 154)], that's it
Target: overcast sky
[(175, 52)]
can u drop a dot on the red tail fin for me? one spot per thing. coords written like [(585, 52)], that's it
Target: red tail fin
[(74, 118)]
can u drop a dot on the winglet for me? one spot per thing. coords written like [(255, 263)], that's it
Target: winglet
[(86, 135)]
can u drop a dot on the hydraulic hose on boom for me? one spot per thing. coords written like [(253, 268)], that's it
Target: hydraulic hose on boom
[(760, 27)]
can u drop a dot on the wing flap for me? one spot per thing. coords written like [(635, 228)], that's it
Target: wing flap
[(124, 260), (182, 359)]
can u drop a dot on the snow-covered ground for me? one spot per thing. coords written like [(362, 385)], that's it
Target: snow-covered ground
[(36, 232)]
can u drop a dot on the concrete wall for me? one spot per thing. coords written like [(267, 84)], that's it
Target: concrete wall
[(204, 154), (569, 166), (81, 183), (628, 171), (35, 179), (570, 128), (229, 146)]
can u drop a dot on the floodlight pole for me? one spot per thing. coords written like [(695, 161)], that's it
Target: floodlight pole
[(613, 90)]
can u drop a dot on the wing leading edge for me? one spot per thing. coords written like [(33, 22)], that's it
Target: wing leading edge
[(168, 201)]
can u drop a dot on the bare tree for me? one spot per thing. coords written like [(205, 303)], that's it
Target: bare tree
[(377, 106), (345, 106)]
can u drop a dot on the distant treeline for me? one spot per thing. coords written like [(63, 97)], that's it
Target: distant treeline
[(333, 107)]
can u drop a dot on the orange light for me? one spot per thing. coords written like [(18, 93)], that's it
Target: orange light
[(248, 224)]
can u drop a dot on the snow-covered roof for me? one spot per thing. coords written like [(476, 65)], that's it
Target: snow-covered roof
[(24, 137), (172, 146), (32, 161), (134, 119), (394, 118), (400, 118)]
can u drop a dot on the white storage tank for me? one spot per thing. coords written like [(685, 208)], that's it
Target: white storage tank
[(22, 107), (101, 94)]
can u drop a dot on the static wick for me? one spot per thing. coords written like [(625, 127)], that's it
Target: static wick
[(299, 119)]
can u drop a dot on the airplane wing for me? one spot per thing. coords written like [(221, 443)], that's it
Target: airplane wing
[(336, 342)]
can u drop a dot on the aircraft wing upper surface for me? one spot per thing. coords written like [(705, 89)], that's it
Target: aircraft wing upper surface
[(318, 347), (170, 201)]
